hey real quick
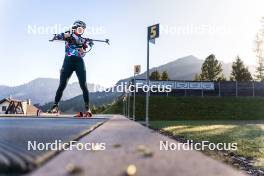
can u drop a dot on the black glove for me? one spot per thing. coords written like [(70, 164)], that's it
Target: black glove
[(56, 37), (91, 44)]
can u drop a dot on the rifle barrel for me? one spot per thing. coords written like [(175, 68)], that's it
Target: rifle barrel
[(95, 40), (98, 40)]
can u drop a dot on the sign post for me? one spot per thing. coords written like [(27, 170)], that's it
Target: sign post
[(153, 33), (137, 70), (127, 106), (128, 111)]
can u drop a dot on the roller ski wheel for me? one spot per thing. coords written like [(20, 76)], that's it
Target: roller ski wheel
[(87, 114)]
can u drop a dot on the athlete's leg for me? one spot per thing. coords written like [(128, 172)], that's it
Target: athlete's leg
[(81, 74), (66, 72)]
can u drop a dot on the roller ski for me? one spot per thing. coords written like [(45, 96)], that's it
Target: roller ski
[(87, 114)]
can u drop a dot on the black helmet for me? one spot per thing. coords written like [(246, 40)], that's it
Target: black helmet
[(78, 23)]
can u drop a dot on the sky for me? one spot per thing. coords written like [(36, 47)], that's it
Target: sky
[(226, 28)]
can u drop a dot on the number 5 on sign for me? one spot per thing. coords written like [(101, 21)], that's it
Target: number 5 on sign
[(153, 32)]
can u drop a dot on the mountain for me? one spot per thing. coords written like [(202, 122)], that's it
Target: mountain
[(76, 104), (42, 90), (185, 68)]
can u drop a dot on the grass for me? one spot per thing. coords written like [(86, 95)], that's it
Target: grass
[(196, 108), (216, 119), (249, 135)]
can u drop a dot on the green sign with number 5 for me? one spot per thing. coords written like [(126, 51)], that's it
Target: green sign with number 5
[(153, 31)]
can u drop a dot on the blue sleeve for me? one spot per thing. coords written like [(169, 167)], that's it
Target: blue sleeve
[(60, 36)]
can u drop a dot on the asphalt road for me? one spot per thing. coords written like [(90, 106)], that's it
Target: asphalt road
[(16, 132)]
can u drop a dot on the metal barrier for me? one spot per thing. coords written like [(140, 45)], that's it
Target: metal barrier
[(200, 88)]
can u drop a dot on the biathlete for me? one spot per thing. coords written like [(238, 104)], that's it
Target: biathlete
[(75, 50)]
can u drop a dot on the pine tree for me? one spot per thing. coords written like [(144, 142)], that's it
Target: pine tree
[(197, 77), (239, 71), (164, 76), (221, 77), (211, 69), (155, 75), (259, 50)]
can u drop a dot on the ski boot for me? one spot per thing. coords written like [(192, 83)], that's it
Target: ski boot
[(54, 109), (88, 113)]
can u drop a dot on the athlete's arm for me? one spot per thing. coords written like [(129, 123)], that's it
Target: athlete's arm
[(82, 50), (61, 36), (85, 46), (66, 35)]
